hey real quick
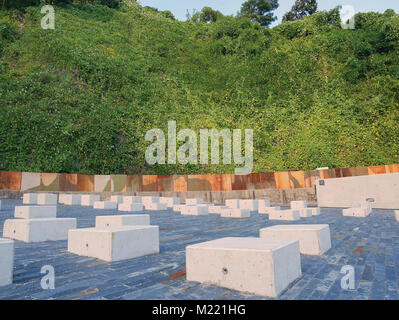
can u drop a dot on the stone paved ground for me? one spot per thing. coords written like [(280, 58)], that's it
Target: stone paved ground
[(370, 244)]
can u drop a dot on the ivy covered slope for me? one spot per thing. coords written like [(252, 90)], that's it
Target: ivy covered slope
[(81, 98)]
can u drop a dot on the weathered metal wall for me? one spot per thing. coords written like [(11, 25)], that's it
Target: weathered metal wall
[(27, 181)]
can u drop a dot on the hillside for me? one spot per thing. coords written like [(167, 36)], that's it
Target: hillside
[(81, 98)]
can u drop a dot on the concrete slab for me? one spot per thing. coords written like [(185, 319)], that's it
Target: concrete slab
[(314, 239), (155, 206), (356, 212), (170, 202), (148, 200), (194, 201), (193, 210), (397, 215), (267, 210), (122, 220), (0, 204), (114, 243), (131, 207), (72, 200), (47, 199), (6, 261), (298, 205), (261, 266), (251, 205), (29, 198), (105, 205), (235, 213), (38, 230), (315, 211), (216, 209), (289, 215), (35, 212), (178, 207), (364, 205), (131, 199), (232, 203), (117, 199), (305, 213), (89, 199), (262, 204)]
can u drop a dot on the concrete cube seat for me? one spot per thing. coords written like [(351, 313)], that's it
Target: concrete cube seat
[(397, 215), (61, 197), (259, 266), (305, 213), (298, 205), (356, 212), (267, 210), (289, 215), (178, 207), (155, 206), (87, 200), (193, 210), (251, 205), (262, 203), (0, 204), (38, 230), (47, 199), (216, 209), (131, 207), (235, 213), (315, 211), (170, 202), (117, 199), (149, 199), (29, 198), (72, 199), (232, 203), (314, 239), (6, 261), (364, 205), (35, 212), (131, 199), (105, 205), (194, 201), (114, 243), (123, 220)]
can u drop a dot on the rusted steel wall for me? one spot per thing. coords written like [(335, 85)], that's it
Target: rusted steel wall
[(29, 181)]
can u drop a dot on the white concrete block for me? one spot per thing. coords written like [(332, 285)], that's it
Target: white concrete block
[(72, 200), (260, 266), (251, 205), (216, 209), (35, 212), (38, 230), (263, 204), (131, 207), (194, 201), (105, 205), (364, 205), (47, 199), (6, 261), (315, 211), (314, 239), (267, 210), (170, 202), (193, 210), (297, 205), (305, 213), (178, 207), (0, 204), (397, 215), (235, 213), (61, 197), (232, 203), (155, 206), (148, 199), (289, 215), (123, 220), (114, 243), (30, 198), (89, 199), (131, 199), (117, 199), (355, 212)]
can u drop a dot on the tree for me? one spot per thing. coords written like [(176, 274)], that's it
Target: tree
[(260, 11), (300, 9), (206, 15)]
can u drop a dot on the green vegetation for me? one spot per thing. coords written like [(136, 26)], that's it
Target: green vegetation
[(81, 98)]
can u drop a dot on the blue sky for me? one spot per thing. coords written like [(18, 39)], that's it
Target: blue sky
[(227, 7)]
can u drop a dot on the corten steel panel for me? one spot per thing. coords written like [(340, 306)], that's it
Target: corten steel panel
[(150, 183), (30, 181), (239, 182), (226, 182), (85, 182), (10, 180), (347, 172), (392, 168), (134, 183), (310, 177), (258, 181), (165, 183), (118, 183), (102, 183), (68, 182), (361, 171), (180, 183), (376, 170), (198, 183), (49, 182), (297, 179), (337, 173), (282, 180)]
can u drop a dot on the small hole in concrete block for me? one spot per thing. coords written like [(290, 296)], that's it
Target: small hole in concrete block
[(87, 245), (225, 271), (107, 224), (14, 231)]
